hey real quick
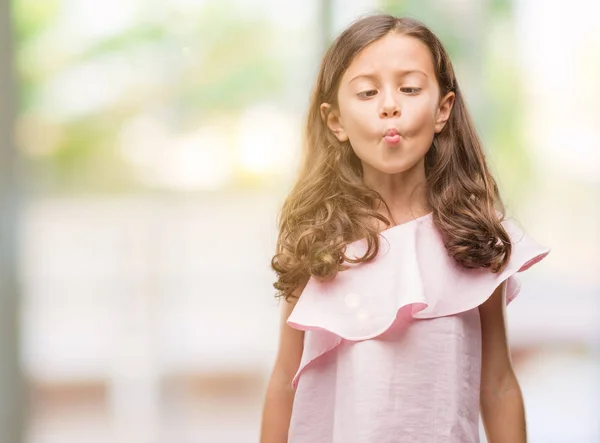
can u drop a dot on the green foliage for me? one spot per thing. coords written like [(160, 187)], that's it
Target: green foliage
[(222, 63), (31, 17), (213, 61)]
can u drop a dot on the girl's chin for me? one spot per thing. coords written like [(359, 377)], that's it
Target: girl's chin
[(393, 165), (396, 167)]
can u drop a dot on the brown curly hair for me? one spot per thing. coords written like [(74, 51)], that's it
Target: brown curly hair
[(330, 206)]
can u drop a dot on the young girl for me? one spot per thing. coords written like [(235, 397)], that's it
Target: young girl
[(394, 258)]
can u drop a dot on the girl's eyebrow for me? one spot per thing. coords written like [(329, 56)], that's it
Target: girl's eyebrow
[(401, 73)]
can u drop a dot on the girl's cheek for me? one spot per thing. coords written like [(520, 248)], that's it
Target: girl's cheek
[(420, 115)]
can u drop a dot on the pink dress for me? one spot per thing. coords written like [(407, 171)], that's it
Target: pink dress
[(392, 348)]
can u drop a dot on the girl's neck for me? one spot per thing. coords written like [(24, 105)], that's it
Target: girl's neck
[(404, 193)]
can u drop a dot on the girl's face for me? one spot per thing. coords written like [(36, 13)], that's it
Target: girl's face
[(389, 105)]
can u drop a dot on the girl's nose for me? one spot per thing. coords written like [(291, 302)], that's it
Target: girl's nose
[(390, 111), (389, 107)]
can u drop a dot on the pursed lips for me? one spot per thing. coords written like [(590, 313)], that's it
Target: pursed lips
[(392, 136)]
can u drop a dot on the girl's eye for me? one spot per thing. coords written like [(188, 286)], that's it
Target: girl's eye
[(410, 90), (367, 94)]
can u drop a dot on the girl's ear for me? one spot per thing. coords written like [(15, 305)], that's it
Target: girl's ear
[(443, 112), (331, 117)]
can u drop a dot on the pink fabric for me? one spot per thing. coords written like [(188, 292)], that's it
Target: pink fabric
[(392, 348)]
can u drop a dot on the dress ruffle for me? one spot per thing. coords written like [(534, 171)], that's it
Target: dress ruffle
[(412, 271)]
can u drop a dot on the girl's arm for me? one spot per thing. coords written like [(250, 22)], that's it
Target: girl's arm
[(277, 408), (502, 409)]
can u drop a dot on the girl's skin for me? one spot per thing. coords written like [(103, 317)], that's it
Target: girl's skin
[(389, 108)]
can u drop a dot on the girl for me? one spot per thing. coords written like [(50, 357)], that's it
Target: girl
[(394, 258)]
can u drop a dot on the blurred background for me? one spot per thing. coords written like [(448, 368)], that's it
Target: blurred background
[(146, 147)]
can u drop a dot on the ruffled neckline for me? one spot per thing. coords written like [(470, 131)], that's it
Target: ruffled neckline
[(413, 271)]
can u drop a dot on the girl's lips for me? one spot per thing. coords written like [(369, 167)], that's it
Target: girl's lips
[(392, 136), (392, 139)]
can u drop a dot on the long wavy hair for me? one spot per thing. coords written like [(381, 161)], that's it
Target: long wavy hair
[(329, 206)]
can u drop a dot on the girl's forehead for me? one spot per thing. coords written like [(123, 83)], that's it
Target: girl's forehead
[(393, 52)]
